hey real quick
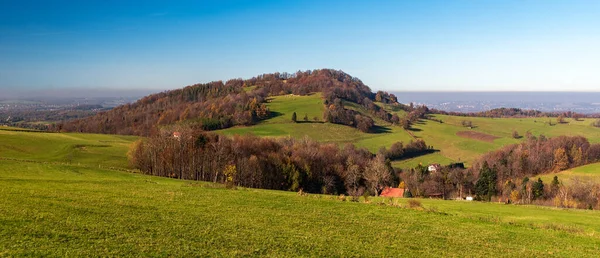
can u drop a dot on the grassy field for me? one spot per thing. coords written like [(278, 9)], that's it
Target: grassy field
[(442, 136), (589, 172), (312, 106), (55, 207), (83, 149), (453, 148)]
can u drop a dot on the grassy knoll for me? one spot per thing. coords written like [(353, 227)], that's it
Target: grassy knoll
[(65, 210), (589, 172), (312, 106)]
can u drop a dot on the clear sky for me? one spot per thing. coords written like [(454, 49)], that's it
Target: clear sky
[(392, 45)]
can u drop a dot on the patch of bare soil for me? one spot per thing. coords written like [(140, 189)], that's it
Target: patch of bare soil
[(477, 136)]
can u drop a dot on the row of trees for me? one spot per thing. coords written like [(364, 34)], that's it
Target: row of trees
[(499, 174), (505, 173), (515, 112), (249, 161), (400, 151), (337, 114)]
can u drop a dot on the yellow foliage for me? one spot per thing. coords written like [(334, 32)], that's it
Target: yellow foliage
[(515, 196), (402, 185)]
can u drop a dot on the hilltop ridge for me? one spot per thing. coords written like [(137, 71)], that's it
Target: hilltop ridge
[(219, 105)]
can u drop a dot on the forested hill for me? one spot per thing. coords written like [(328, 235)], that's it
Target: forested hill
[(218, 105)]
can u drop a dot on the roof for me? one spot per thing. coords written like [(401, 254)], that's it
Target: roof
[(392, 192)]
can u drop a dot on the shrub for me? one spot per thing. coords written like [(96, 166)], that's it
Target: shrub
[(407, 194), (229, 172), (412, 203), (516, 135)]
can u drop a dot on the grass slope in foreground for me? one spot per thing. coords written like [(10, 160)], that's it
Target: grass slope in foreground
[(62, 209)]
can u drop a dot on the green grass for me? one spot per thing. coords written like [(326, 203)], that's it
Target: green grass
[(423, 160), (65, 210), (442, 136), (312, 105), (51, 207), (82, 149), (589, 173)]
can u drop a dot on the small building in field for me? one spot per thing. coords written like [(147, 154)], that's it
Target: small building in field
[(392, 192), (176, 135), (434, 167)]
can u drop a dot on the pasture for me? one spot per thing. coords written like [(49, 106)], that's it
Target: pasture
[(53, 205), (312, 106), (455, 142)]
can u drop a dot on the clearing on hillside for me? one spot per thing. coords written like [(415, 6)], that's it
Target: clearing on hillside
[(311, 106)]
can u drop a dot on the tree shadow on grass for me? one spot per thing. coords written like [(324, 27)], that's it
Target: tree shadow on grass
[(274, 114), (380, 129), (309, 122)]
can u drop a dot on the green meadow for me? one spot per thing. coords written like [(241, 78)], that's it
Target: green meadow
[(587, 173), (58, 199), (312, 106), (442, 136)]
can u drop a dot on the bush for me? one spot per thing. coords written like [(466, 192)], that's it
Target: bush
[(412, 203), (516, 135)]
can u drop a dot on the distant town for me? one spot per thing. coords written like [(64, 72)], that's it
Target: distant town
[(580, 102)]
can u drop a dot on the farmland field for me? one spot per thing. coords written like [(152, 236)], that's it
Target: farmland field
[(55, 207), (449, 137)]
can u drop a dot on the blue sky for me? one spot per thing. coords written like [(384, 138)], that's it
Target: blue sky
[(447, 45)]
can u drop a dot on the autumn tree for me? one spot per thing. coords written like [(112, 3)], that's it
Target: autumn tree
[(561, 160), (377, 175)]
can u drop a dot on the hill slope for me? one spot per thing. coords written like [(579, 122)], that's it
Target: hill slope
[(218, 105), (312, 106), (61, 209)]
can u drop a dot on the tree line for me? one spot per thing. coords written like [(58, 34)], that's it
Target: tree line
[(505, 174), (250, 161)]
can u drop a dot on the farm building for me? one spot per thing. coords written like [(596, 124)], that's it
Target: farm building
[(392, 192), (434, 167)]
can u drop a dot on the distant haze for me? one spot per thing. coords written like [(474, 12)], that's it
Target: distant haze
[(584, 102), (73, 93)]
